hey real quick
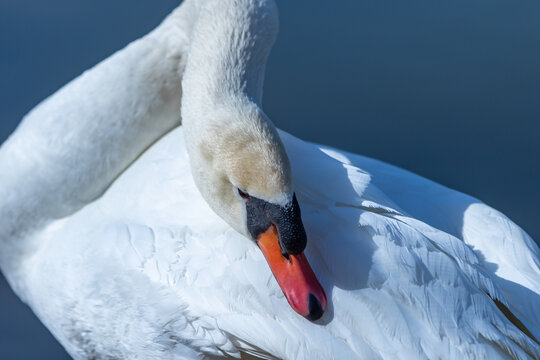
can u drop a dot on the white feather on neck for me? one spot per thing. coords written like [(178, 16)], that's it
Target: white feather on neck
[(231, 142)]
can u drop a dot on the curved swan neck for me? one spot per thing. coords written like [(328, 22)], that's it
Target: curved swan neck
[(231, 142), (231, 43)]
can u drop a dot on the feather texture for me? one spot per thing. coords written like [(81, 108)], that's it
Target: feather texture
[(149, 271), (106, 236)]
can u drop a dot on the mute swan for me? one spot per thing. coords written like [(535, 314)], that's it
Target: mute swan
[(106, 236)]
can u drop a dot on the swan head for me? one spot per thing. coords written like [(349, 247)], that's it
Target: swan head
[(242, 170)]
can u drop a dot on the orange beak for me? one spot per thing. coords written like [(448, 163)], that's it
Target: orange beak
[(295, 277)]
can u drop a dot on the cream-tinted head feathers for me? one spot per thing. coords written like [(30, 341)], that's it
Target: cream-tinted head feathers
[(240, 151), (231, 142), (254, 158)]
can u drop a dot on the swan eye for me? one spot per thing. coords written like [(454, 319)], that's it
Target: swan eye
[(242, 194)]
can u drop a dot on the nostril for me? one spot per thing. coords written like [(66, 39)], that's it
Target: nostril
[(285, 255), (315, 308)]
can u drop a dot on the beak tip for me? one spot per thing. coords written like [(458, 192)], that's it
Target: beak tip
[(316, 310)]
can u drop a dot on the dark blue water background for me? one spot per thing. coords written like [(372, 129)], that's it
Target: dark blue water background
[(447, 89)]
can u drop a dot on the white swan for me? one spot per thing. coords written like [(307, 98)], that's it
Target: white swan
[(135, 264)]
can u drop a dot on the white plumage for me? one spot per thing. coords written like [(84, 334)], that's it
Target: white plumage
[(147, 270), (407, 264)]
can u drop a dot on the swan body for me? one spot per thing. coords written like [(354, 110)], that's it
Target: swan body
[(113, 233)]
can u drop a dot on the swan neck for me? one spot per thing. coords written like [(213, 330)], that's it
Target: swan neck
[(231, 43)]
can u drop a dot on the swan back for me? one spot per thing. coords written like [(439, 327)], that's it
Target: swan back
[(180, 260)]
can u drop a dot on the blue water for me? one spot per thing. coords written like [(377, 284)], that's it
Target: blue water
[(449, 90)]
